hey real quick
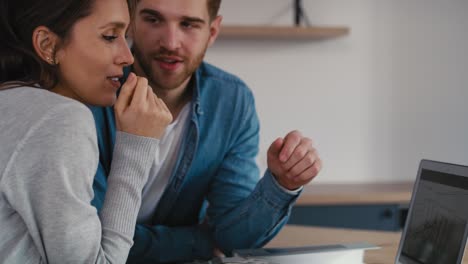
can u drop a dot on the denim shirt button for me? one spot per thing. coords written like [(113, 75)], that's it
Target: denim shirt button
[(198, 109)]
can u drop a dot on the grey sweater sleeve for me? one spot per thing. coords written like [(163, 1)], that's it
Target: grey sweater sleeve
[(50, 178)]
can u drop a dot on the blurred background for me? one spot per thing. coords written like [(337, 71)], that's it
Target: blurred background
[(375, 101)]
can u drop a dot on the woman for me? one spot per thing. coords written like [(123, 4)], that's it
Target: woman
[(55, 57)]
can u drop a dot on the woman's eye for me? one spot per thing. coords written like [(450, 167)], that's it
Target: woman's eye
[(109, 38)]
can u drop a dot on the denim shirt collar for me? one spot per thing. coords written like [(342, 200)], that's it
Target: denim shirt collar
[(194, 84)]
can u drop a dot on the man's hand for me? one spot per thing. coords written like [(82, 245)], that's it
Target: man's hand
[(293, 160)]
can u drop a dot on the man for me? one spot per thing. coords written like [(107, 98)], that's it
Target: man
[(203, 194)]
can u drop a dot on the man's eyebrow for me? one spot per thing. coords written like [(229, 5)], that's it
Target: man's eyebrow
[(116, 24), (184, 18), (150, 12), (194, 19)]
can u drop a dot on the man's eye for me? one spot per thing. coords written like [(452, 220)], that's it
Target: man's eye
[(152, 20), (187, 25), (109, 38)]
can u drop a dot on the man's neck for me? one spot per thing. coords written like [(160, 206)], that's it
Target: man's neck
[(175, 99)]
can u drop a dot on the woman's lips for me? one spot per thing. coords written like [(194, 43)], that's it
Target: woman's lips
[(115, 82)]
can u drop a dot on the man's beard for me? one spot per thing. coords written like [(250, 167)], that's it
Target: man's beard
[(145, 63)]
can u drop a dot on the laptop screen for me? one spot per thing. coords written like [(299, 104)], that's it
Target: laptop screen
[(436, 226)]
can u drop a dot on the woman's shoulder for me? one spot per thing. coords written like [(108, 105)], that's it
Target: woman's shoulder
[(38, 121), (39, 97), (28, 110), (37, 103)]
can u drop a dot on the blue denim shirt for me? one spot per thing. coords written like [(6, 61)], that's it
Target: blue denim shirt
[(215, 166)]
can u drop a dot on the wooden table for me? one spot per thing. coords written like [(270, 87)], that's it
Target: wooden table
[(296, 236), (361, 193)]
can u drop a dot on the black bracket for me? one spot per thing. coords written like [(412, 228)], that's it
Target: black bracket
[(299, 14)]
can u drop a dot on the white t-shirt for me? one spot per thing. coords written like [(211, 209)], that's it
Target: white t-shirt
[(163, 166)]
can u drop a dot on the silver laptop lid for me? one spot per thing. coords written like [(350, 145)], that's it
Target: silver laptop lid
[(436, 227)]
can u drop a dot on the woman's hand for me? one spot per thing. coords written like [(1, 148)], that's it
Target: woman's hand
[(139, 111)]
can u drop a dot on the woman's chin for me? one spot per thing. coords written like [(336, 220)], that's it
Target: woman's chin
[(104, 101)]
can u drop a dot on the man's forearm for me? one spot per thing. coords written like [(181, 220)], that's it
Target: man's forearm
[(255, 221)]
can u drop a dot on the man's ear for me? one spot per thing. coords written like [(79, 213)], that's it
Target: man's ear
[(45, 43), (215, 27)]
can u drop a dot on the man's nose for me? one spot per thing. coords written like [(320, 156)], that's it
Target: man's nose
[(170, 38)]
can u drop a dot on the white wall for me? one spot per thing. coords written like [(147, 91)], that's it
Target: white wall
[(376, 101)]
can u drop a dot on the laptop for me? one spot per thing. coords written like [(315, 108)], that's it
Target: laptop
[(435, 231), (345, 253)]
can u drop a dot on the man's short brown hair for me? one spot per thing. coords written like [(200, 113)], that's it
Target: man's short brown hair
[(213, 8)]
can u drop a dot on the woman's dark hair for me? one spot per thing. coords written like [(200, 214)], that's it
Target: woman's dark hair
[(19, 62)]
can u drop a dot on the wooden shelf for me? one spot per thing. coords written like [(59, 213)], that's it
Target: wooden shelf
[(282, 32)]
